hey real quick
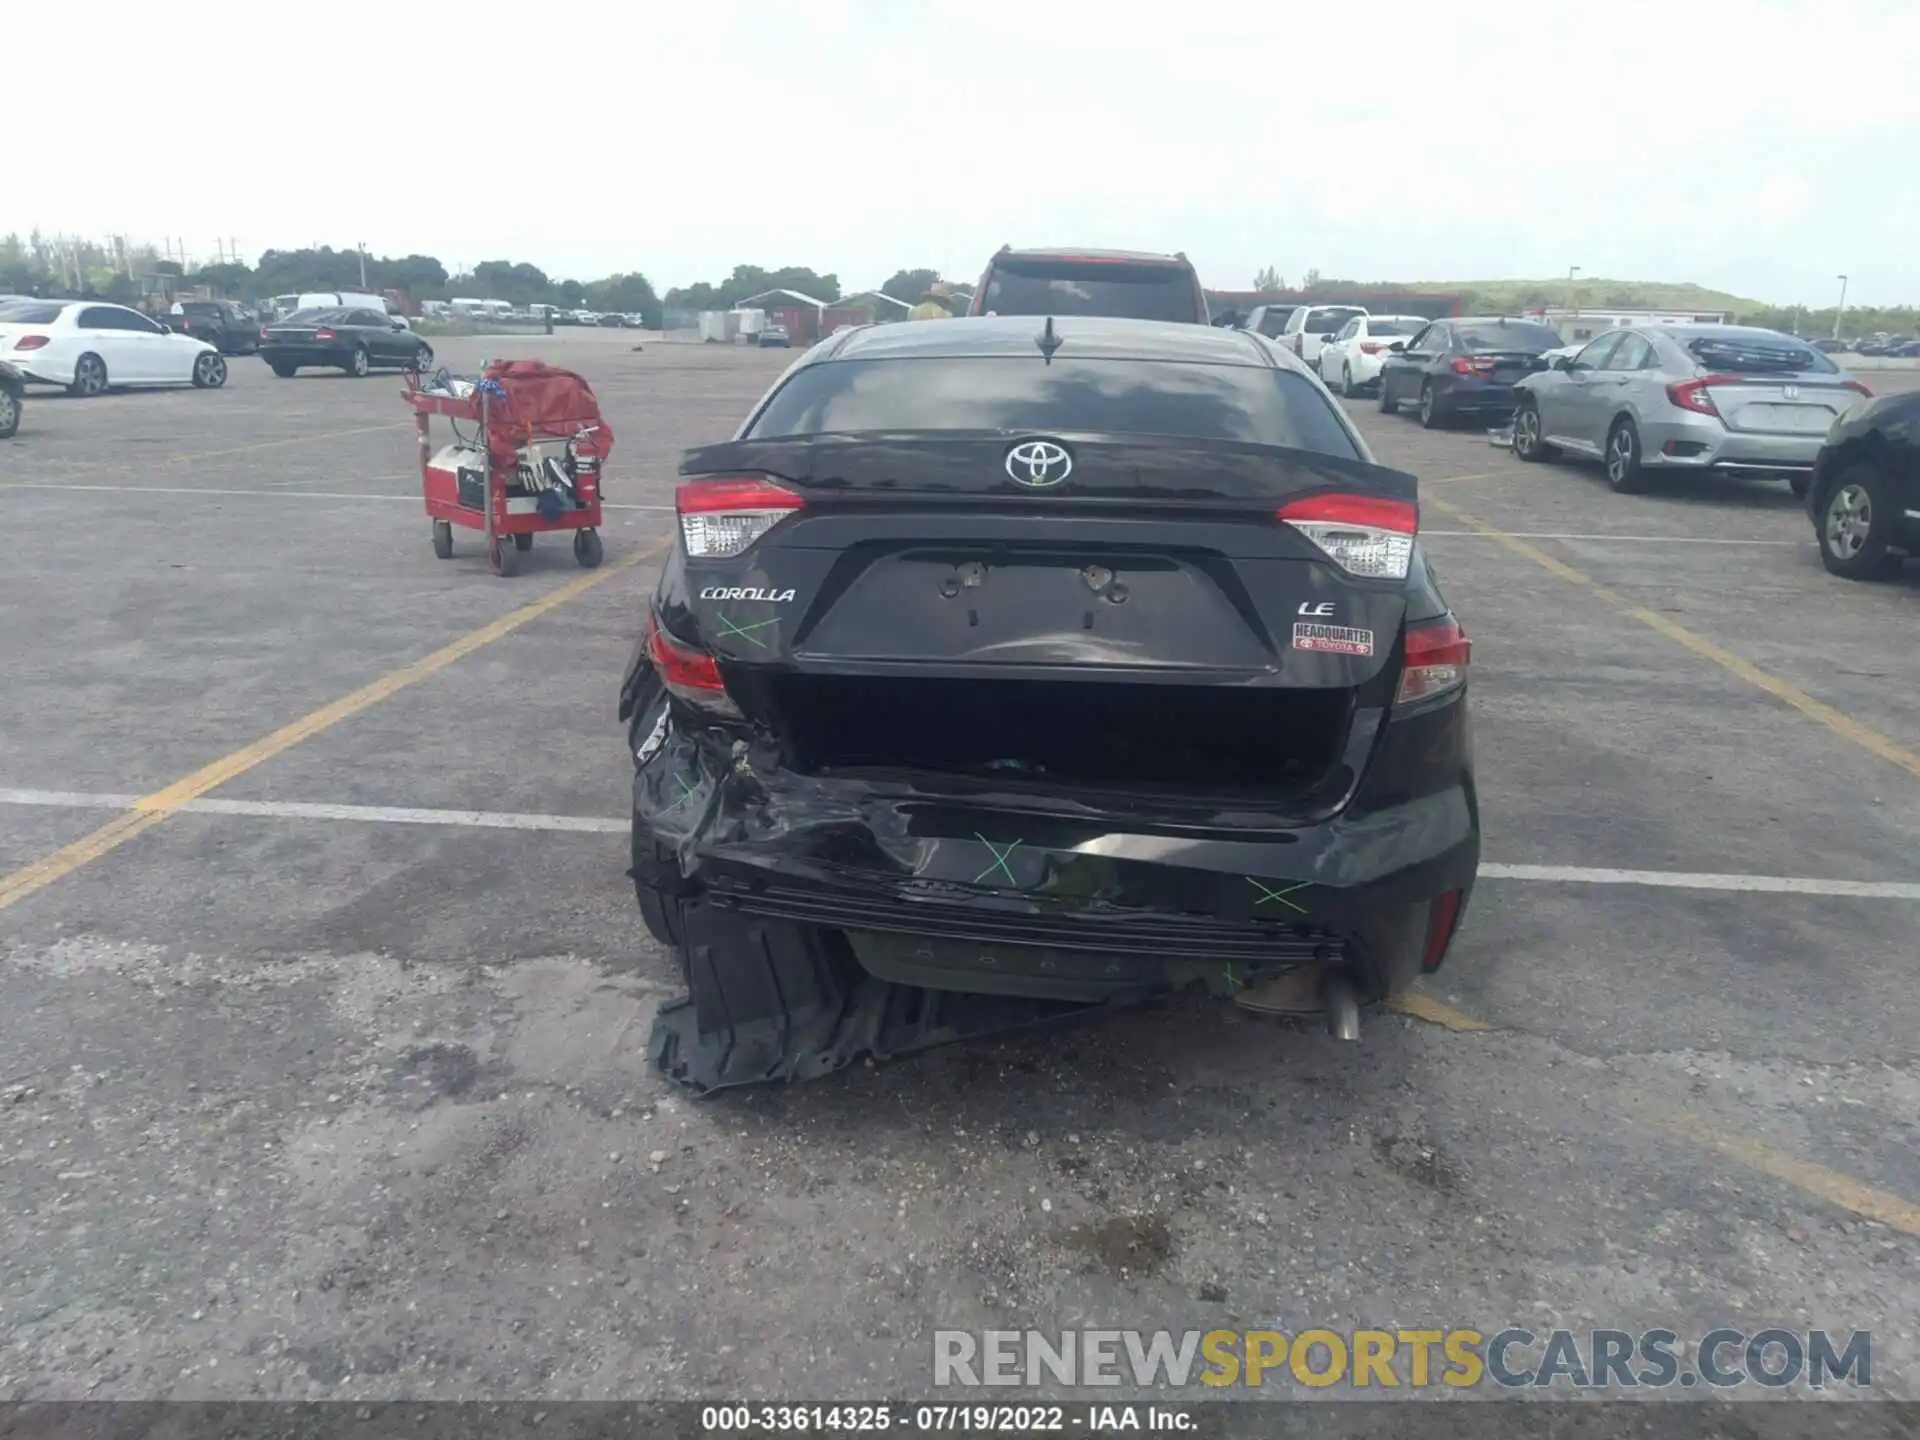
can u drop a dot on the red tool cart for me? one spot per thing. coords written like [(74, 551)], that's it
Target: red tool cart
[(531, 462)]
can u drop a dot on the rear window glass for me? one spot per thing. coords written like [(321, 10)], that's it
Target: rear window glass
[(1394, 327), (1274, 322), (1510, 335), (1246, 403), (1758, 355), (30, 313), (1083, 287), (199, 307), (1321, 322), (309, 317)]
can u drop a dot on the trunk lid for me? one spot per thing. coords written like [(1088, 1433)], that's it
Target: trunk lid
[(923, 604), (1800, 403), (292, 332), (1508, 365), (1770, 385)]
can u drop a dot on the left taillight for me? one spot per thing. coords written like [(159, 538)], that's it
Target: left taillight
[(30, 342), (689, 673), (724, 515), (325, 335), (1692, 394), (1437, 654), (263, 333), (1364, 535)]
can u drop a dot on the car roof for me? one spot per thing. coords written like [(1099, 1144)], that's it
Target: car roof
[(1071, 252), (1494, 320), (1082, 337)]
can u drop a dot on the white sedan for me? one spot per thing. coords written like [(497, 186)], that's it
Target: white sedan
[(87, 346), (1351, 361)]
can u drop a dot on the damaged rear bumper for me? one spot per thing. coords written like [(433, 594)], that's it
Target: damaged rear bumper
[(825, 919)]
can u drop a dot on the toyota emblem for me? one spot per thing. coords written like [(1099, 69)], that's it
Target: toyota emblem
[(1039, 463)]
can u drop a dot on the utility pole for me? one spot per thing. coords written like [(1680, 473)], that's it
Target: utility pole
[(1843, 307), (1573, 304), (363, 266)]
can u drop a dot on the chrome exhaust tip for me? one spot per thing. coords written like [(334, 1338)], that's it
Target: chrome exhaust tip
[(1341, 1006)]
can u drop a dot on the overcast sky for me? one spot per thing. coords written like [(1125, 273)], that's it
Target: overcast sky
[(1761, 146)]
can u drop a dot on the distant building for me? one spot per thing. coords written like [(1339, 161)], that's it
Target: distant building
[(1577, 324)]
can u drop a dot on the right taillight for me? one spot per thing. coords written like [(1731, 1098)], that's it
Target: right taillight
[(689, 673), (1437, 653), (723, 515), (1364, 535)]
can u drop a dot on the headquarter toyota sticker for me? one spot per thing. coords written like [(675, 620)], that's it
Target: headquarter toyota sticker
[(1333, 639)]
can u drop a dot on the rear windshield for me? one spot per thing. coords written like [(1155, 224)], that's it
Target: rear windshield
[(1274, 323), (1509, 335), (199, 307), (310, 317), (1758, 355), (1091, 287), (1246, 403), (30, 312), (1320, 322), (1394, 327)]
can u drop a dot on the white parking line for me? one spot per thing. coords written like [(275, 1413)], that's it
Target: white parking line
[(275, 494), (1618, 539), (1700, 880), (302, 810), (597, 825)]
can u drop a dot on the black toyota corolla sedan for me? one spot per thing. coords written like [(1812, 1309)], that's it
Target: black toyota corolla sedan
[(1011, 667), (356, 341)]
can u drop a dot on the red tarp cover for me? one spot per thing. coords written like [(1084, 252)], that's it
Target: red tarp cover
[(542, 400)]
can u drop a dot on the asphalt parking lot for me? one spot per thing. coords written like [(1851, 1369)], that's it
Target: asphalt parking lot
[(323, 997)]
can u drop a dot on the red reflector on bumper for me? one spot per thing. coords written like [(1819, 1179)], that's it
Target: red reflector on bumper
[(1441, 918)]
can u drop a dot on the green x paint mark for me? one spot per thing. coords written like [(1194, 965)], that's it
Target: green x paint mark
[(999, 859), (1267, 892), (745, 632), (687, 792)]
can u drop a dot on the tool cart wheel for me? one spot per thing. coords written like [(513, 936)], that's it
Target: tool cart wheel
[(502, 558), (443, 539), (586, 548), (523, 542)]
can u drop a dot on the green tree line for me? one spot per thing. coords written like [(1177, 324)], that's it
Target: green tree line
[(39, 265)]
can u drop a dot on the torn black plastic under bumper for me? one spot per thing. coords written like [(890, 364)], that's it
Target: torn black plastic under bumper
[(826, 920), (773, 1000)]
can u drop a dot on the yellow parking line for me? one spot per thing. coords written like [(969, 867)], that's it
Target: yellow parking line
[(150, 810), (1817, 1180), (1845, 726), (1422, 1006)]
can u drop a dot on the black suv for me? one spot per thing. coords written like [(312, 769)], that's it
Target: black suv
[(1120, 284)]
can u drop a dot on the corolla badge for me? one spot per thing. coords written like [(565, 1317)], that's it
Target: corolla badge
[(1039, 463)]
